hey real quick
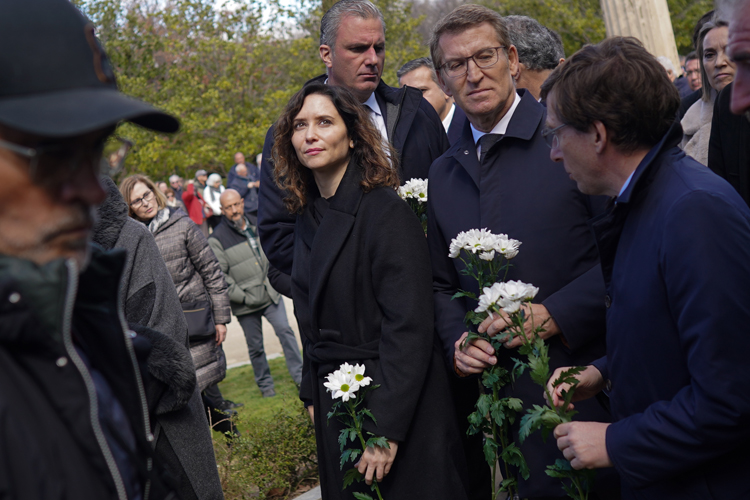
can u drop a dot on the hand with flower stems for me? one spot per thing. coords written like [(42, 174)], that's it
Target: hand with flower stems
[(473, 357), (584, 444), (377, 462), (496, 324), (590, 383)]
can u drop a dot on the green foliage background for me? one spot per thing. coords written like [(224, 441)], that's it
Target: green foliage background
[(227, 70)]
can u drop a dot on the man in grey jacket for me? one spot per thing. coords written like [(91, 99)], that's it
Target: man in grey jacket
[(235, 243)]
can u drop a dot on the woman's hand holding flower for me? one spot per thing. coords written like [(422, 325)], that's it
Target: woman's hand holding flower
[(377, 461)]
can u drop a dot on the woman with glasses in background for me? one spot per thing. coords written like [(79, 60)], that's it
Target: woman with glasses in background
[(196, 274)]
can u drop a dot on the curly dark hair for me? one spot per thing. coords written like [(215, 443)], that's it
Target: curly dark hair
[(376, 162)]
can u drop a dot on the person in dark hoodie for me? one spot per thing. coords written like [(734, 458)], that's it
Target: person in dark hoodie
[(152, 309)]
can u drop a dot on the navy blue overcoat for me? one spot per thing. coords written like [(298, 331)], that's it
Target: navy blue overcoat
[(675, 253), (521, 192)]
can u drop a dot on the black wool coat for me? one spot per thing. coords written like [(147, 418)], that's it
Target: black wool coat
[(729, 145), (362, 291)]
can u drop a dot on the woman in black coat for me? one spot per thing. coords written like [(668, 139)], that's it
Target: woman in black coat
[(362, 289)]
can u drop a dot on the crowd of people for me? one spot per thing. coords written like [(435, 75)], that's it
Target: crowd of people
[(627, 184)]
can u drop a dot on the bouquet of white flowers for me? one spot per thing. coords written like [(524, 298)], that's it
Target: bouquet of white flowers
[(349, 385), (414, 192), (509, 298)]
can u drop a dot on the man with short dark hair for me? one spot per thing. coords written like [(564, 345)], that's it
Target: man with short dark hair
[(74, 419), (675, 251), (499, 176), (352, 46), (539, 49), (693, 71), (420, 74)]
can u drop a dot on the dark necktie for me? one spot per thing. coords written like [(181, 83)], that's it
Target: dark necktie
[(486, 142)]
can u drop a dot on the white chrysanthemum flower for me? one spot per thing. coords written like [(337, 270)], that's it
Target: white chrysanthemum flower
[(460, 242), (509, 306), (487, 255), (489, 297), (506, 246), (518, 290), (346, 368), (414, 188), (341, 385), (358, 374)]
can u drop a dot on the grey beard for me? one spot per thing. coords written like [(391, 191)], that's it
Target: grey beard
[(238, 223)]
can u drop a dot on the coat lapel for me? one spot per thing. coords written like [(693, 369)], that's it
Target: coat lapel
[(465, 153), (332, 234)]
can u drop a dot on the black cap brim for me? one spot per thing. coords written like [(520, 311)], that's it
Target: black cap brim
[(79, 111)]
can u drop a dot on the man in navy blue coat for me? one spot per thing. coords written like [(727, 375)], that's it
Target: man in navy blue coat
[(352, 46), (675, 252), (516, 190)]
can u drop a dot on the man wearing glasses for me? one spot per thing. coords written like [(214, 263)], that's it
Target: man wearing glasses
[(74, 422), (499, 176)]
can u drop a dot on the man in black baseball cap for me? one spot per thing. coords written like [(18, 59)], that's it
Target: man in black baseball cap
[(74, 422)]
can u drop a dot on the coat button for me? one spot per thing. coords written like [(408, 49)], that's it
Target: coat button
[(608, 385), (466, 151), (607, 301), (61, 361), (14, 297)]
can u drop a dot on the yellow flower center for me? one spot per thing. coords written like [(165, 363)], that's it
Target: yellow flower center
[(358, 377), (345, 387)]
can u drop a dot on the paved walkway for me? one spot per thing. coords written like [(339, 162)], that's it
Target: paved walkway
[(235, 346), (313, 494)]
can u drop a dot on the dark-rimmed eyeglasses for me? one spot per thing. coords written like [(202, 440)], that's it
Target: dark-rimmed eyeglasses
[(146, 198), (52, 165), (484, 58), (550, 136)]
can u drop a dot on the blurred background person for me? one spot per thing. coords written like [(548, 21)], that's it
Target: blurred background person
[(197, 208), (717, 71), (693, 71), (176, 182), (246, 182), (196, 274), (420, 74), (173, 201), (211, 196), (152, 309), (540, 50), (235, 243)]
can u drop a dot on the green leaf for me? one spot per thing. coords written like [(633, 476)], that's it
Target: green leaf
[(377, 441), (483, 404), (530, 422), (490, 451), (343, 435), (508, 483), (474, 318), (369, 414), (489, 378), (362, 496), (497, 412), (350, 476), (514, 404), (344, 457), (462, 293)]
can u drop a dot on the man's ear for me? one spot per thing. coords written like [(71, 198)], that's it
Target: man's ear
[(326, 55), (519, 69), (513, 60), (601, 136), (442, 84)]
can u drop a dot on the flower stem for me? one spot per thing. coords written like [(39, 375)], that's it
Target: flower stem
[(364, 445)]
